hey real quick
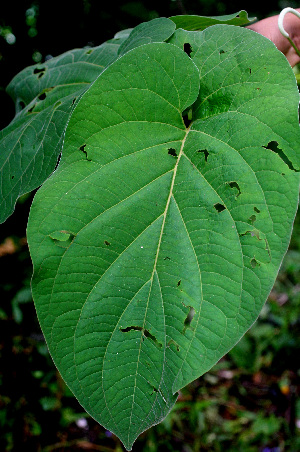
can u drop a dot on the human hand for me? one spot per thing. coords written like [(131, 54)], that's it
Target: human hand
[(269, 28)]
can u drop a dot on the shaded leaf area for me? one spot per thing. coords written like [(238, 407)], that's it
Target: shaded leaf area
[(199, 23), (176, 233), (241, 404), (45, 96)]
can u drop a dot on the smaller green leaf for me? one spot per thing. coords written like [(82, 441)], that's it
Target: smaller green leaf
[(44, 95), (156, 30), (193, 23)]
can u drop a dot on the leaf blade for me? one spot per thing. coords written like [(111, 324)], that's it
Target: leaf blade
[(170, 258)]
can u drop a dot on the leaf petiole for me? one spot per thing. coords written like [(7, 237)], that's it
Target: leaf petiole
[(282, 30)]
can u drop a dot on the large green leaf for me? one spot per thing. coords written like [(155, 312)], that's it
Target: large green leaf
[(158, 238), (192, 23)]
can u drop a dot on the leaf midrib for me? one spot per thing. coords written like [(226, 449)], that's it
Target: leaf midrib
[(154, 269)]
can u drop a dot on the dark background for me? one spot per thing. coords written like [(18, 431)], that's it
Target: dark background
[(249, 401)]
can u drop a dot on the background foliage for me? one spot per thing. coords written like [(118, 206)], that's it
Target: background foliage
[(249, 401)]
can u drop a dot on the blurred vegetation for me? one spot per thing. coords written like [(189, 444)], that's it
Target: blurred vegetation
[(248, 402)]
